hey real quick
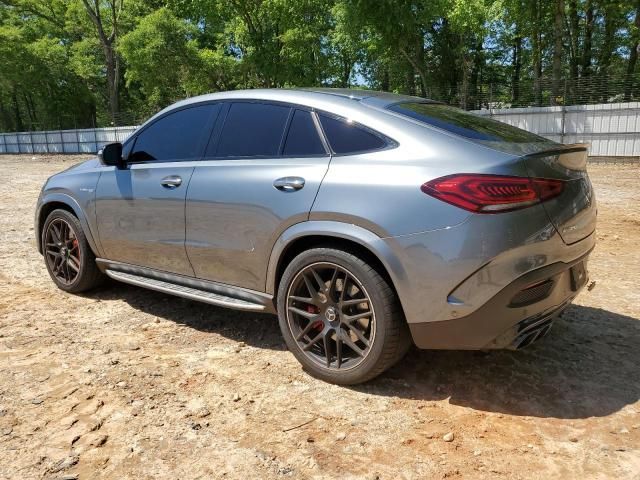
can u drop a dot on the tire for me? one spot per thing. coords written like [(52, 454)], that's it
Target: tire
[(62, 257), (308, 310)]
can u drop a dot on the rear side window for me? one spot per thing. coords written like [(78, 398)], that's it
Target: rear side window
[(252, 129), (177, 136), (345, 137), (468, 125), (302, 138)]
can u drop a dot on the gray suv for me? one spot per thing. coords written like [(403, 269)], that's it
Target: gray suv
[(365, 220)]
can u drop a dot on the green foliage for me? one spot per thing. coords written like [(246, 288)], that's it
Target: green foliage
[(160, 56), (66, 63)]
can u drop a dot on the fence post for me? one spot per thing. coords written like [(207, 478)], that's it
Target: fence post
[(564, 113), (490, 100), (562, 123)]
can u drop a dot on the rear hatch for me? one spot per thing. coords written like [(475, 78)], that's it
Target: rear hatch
[(573, 213)]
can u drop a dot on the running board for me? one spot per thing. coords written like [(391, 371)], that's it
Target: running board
[(184, 291)]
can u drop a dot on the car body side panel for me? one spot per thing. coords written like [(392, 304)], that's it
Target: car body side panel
[(141, 222), (380, 191), (338, 230), (85, 219), (74, 187), (234, 214), (454, 271)]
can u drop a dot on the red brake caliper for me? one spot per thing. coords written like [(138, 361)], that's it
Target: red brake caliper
[(317, 325)]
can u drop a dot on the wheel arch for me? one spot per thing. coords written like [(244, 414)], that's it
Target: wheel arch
[(306, 235), (63, 202)]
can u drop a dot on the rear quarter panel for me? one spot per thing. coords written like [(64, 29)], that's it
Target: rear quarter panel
[(380, 191)]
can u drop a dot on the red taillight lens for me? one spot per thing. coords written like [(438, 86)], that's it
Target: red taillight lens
[(483, 193)]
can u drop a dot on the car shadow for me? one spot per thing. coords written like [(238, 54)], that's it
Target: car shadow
[(586, 367), (255, 329)]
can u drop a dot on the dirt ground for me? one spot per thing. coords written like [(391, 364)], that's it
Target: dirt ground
[(129, 383)]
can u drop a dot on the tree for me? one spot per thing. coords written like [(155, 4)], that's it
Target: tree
[(558, 48), (633, 53), (66, 63), (160, 55), (105, 15)]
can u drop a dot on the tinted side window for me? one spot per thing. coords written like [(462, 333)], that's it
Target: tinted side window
[(345, 137), (252, 129), (174, 137), (303, 138)]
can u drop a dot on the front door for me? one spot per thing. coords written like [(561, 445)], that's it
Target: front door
[(140, 209), (260, 175)]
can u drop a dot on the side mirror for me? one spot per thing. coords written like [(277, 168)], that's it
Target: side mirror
[(111, 154)]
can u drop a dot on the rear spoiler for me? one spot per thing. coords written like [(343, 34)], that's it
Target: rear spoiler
[(572, 156)]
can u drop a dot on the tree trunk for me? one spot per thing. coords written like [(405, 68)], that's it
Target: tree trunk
[(588, 36), (608, 45), (416, 68), (108, 42), (537, 56), (112, 81), (476, 73), (411, 80), (464, 94), (30, 111), (385, 80), (517, 66), (347, 66), (421, 65), (574, 27), (633, 57), (19, 126), (556, 85), (5, 118)]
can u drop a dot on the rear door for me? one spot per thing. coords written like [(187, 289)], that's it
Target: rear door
[(140, 209), (261, 173)]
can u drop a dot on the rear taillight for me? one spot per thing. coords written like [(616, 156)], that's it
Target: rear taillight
[(481, 193)]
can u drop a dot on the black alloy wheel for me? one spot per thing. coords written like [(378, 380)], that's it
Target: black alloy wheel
[(62, 251), (330, 315)]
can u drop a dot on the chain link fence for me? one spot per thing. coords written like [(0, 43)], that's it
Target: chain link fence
[(543, 92)]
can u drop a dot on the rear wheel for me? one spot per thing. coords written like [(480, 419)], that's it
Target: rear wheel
[(339, 317), (69, 259)]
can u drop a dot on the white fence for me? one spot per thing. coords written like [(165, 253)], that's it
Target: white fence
[(612, 130), (62, 141)]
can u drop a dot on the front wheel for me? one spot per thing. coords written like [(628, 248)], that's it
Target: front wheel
[(67, 254), (339, 317)]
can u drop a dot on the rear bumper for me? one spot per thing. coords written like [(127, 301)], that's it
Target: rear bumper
[(516, 316)]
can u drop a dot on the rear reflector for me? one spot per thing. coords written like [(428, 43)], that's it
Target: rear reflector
[(481, 193)]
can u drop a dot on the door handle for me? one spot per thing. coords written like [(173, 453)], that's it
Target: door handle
[(289, 184), (172, 181)]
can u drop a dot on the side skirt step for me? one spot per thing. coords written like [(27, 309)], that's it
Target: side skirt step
[(184, 291)]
